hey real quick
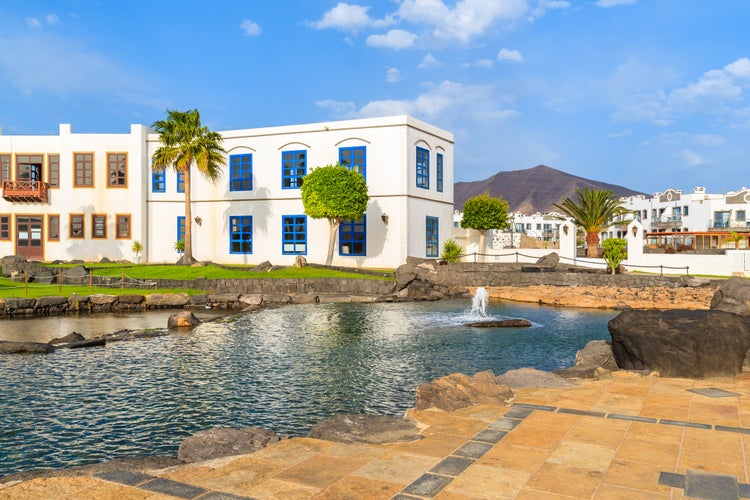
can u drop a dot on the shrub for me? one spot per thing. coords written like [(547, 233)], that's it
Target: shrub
[(614, 252), (452, 251)]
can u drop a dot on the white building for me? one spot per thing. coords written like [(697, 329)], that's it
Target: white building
[(88, 196)]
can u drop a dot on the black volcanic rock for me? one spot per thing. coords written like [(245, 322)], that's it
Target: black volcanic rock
[(533, 189)]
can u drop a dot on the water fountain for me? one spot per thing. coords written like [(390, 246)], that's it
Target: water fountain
[(479, 303), (479, 312)]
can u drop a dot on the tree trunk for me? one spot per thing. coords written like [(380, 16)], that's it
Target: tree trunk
[(187, 257), (482, 244), (592, 244), (334, 227)]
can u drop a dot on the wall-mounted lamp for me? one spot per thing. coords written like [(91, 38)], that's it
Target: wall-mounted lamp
[(635, 231), (565, 229), (198, 220), (385, 218)]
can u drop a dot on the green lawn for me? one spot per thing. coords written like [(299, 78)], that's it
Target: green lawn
[(10, 288)]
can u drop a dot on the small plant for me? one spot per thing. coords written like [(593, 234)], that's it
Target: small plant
[(179, 246), (452, 251), (735, 237), (137, 250), (614, 252)]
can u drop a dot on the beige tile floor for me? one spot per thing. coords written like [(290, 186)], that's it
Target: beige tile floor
[(556, 452)]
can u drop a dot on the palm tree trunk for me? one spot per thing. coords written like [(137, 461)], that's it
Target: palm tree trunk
[(334, 226), (187, 257), (592, 244)]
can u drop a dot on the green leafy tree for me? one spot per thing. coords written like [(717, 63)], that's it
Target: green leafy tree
[(335, 193), (735, 237), (186, 142), (452, 251), (615, 252), (593, 210), (483, 213)]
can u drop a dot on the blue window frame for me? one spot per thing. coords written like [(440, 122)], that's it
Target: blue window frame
[(180, 228), (241, 172), (180, 182), (354, 159), (439, 172), (353, 237), (423, 168), (293, 169), (158, 181), (294, 230), (241, 234), (431, 236)]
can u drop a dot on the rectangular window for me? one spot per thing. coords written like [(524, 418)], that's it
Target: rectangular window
[(4, 167), (29, 167), (740, 216), (180, 182), (117, 169), (53, 171), (685, 211), (76, 226), (180, 227), (158, 181), (439, 172), (294, 229), (423, 168), (352, 237), (53, 227), (293, 169), (83, 170), (98, 226), (122, 225), (5, 227), (241, 234), (431, 236), (241, 172), (354, 159)]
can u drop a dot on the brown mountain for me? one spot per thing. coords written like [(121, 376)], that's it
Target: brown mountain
[(532, 190)]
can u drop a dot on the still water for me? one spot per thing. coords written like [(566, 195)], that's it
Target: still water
[(284, 369)]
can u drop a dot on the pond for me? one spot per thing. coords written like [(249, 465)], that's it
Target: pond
[(284, 369)]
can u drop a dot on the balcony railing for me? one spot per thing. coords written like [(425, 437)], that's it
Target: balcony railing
[(728, 225), (666, 221), (26, 191)]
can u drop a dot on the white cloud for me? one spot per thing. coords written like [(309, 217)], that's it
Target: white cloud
[(484, 63), (393, 75), (463, 21), (444, 100), (544, 5), (714, 90), (394, 39), (710, 140), (349, 18), (429, 62), (250, 28), (52, 19), (509, 55), (614, 3), (693, 159), (33, 22)]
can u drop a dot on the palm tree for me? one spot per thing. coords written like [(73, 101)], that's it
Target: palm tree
[(185, 141), (593, 212)]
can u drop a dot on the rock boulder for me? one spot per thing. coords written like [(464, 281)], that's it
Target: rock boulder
[(183, 319), (531, 377), (733, 296), (225, 442), (371, 429), (457, 391), (680, 343)]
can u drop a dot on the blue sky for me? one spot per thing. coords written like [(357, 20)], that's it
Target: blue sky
[(648, 94)]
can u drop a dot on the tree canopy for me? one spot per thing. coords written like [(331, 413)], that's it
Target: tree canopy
[(593, 210), (335, 193), (483, 212), (184, 142)]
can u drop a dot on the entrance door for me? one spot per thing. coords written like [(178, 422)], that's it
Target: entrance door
[(29, 237)]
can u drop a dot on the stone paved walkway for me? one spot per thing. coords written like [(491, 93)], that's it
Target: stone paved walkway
[(625, 437)]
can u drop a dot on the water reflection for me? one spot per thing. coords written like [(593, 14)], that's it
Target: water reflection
[(283, 369)]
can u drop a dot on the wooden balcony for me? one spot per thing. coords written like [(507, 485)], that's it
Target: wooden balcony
[(26, 191)]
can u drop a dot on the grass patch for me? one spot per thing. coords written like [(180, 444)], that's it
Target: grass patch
[(15, 289)]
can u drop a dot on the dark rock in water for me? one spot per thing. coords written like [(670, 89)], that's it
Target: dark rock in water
[(592, 359), (457, 391), (371, 429), (25, 348), (531, 377), (225, 442), (681, 343), (733, 296), (71, 337), (500, 323), (98, 341), (134, 335), (183, 319)]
